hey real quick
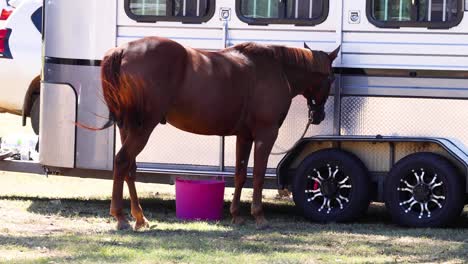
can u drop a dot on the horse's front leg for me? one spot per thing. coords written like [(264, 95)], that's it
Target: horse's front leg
[(243, 147), (264, 140)]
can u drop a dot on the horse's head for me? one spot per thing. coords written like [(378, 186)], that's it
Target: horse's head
[(318, 89)]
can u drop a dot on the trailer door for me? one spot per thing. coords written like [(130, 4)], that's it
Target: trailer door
[(405, 68), (290, 23), (411, 34)]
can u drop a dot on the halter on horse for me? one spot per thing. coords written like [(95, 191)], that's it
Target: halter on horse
[(245, 91)]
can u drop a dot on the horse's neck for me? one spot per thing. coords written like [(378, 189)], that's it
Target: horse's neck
[(301, 66), (296, 82), (297, 64)]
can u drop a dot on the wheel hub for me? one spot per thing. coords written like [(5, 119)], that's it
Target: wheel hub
[(329, 188), (422, 193), (421, 196)]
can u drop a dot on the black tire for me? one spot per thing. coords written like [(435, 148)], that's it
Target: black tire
[(424, 177), (349, 171), (5, 154), (35, 108)]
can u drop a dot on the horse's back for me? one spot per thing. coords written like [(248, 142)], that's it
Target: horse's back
[(203, 92), (151, 54)]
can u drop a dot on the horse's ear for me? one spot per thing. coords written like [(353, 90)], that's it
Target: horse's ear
[(334, 53), (306, 47)]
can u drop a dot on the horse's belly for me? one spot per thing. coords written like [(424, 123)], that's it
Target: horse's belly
[(214, 107), (204, 126)]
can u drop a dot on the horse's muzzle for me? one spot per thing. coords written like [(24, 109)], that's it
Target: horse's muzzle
[(317, 117), (316, 112)]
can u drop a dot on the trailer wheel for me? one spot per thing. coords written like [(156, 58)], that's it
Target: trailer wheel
[(35, 108), (332, 185), (424, 190)]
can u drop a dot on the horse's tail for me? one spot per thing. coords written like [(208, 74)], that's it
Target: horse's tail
[(110, 75), (122, 92), (110, 78)]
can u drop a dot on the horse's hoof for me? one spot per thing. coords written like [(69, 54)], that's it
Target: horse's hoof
[(123, 225), (262, 225), (142, 225), (238, 220)]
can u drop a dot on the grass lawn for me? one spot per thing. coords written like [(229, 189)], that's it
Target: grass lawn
[(65, 220)]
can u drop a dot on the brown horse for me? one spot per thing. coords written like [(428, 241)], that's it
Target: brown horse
[(245, 90)]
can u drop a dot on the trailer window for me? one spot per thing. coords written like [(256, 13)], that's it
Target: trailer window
[(190, 11), (415, 13), (299, 12)]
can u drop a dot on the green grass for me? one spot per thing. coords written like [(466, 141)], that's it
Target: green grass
[(66, 220), (83, 233)]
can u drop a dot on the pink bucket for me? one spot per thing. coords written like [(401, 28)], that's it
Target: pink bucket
[(199, 199)]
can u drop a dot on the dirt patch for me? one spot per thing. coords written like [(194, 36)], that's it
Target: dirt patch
[(29, 255), (17, 219)]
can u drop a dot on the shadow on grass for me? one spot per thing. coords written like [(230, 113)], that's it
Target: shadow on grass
[(182, 245), (165, 210), (290, 233), (151, 206)]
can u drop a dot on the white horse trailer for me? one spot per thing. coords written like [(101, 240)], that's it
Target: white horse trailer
[(398, 109)]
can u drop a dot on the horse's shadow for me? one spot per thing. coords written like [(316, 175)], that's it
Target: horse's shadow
[(288, 229), (164, 210), (160, 209)]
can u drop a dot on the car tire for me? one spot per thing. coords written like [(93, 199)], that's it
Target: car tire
[(424, 190), (5, 154), (332, 185), (35, 109)]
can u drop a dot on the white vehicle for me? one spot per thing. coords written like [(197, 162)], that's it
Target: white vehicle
[(5, 11), (8, 5), (396, 118), (20, 61)]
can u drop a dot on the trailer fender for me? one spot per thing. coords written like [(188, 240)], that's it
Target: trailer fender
[(379, 153)]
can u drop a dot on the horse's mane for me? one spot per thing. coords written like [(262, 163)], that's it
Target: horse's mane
[(312, 61)]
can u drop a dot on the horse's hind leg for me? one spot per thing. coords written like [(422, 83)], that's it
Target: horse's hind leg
[(133, 142), (264, 140), (243, 147), (116, 208), (137, 211)]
